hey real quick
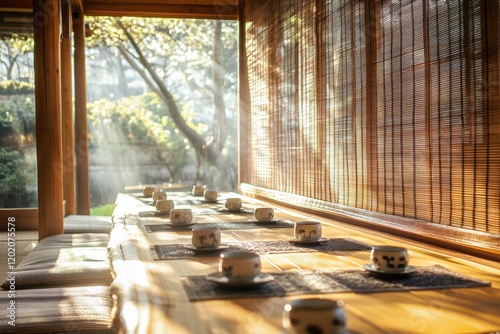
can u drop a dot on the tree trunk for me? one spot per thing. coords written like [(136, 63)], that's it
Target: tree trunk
[(156, 84), (219, 120)]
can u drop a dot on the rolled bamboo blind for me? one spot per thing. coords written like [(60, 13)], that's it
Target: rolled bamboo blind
[(387, 106)]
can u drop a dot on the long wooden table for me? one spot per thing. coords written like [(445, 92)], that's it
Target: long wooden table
[(150, 297)]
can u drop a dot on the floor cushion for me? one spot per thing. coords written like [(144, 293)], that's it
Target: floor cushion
[(58, 310), (87, 224)]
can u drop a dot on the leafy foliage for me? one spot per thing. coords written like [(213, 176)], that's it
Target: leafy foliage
[(140, 122), (12, 46), (17, 133), (102, 210), (14, 176), (17, 118), (11, 87), (176, 59)]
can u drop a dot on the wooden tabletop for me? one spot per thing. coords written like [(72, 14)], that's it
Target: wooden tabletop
[(151, 297)]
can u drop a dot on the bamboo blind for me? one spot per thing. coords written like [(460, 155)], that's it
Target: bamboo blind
[(386, 106)]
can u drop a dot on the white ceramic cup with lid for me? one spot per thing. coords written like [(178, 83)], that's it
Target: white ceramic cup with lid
[(239, 265), (264, 214), (158, 195), (147, 191), (314, 315), (210, 196), (181, 216), (206, 237), (233, 204), (307, 230), (164, 205), (198, 190), (389, 259)]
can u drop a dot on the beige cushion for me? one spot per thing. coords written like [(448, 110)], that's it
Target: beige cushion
[(87, 224), (75, 240), (64, 260), (58, 310)]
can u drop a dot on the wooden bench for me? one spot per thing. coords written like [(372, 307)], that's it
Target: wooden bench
[(63, 284)]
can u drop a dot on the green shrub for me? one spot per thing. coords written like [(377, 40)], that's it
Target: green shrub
[(14, 181), (12, 87), (102, 210)]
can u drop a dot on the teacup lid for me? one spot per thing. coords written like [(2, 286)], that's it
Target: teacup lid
[(202, 228), (389, 248), (182, 210), (238, 255), (315, 304), (310, 222)]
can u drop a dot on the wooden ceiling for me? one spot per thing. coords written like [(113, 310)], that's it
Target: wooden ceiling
[(207, 9)]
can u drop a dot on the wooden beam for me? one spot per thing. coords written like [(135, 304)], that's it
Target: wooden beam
[(222, 12), (17, 5), (48, 117), (67, 113), (244, 107), (26, 219), (76, 5), (81, 138)]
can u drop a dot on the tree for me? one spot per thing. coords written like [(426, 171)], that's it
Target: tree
[(12, 46), (116, 127), (181, 64), (15, 175), (17, 115)]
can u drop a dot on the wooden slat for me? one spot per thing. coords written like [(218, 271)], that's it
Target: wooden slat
[(25, 219), (67, 114), (48, 118), (77, 5), (467, 241), (17, 5), (409, 122), (221, 12), (245, 126), (81, 137), (118, 3), (154, 289)]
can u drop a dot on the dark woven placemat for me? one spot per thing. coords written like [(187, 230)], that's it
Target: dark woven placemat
[(197, 201), (198, 212), (145, 214), (314, 282), (183, 201), (244, 225), (221, 211), (172, 252)]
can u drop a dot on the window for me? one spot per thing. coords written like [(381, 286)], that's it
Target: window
[(393, 106)]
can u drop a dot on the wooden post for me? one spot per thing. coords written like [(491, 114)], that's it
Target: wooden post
[(67, 113), (244, 154), (81, 142), (48, 117)]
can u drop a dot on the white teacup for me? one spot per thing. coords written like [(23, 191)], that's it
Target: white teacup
[(198, 190), (181, 216), (239, 265), (314, 315), (307, 230), (204, 237), (158, 195), (389, 259), (233, 204), (264, 214), (164, 205), (210, 196), (148, 191)]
